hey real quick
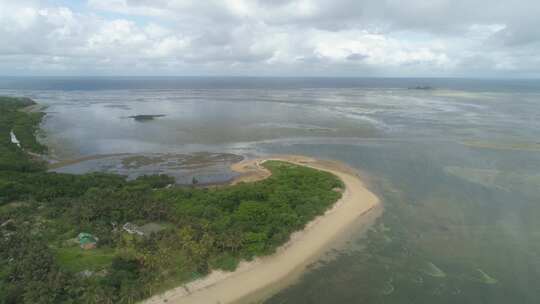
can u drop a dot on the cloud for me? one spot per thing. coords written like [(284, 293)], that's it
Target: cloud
[(275, 37), (357, 57)]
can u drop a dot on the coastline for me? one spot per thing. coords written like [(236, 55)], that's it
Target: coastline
[(265, 275)]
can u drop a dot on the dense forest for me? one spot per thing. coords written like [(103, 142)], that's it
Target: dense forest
[(141, 236)]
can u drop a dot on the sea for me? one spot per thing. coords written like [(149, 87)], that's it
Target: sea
[(456, 163)]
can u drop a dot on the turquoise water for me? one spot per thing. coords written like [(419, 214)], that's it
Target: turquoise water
[(457, 168)]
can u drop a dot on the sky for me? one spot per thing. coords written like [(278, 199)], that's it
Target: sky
[(350, 38)]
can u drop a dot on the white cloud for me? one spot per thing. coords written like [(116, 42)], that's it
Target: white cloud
[(439, 37), (123, 7)]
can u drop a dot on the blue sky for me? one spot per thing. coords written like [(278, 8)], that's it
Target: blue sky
[(419, 38)]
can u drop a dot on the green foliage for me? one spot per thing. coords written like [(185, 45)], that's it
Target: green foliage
[(225, 262), (76, 259), (24, 125), (204, 229), (155, 181), (47, 186)]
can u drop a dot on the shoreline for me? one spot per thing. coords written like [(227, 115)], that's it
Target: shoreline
[(260, 278)]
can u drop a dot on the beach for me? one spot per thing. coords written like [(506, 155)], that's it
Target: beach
[(260, 278)]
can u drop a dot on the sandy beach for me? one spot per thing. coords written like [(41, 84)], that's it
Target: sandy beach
[(255, 280)]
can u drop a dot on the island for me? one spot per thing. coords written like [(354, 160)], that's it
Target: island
[(146, 117), (100, 238), (422, 88)]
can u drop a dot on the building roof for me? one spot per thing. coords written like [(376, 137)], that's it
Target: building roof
[(86, 238), (150, 228)]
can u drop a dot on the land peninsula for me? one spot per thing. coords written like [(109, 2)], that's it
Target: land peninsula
[(263, 276), (100, 238)]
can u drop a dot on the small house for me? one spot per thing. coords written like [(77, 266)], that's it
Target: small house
[(132, 229), (150, 228), (87, 241)]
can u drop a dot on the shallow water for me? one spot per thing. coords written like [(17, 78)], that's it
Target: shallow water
[(458, 168), (202, 168)]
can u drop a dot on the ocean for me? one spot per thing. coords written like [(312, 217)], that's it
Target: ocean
[(457, 167)]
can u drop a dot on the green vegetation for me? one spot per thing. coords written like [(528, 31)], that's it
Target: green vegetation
[(42, 213), (24, 125), (77, 259)]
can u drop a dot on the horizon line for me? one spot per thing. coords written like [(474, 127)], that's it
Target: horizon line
[(277, 77)]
